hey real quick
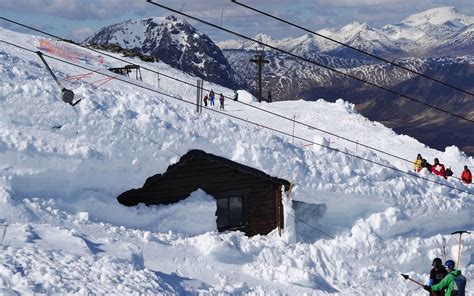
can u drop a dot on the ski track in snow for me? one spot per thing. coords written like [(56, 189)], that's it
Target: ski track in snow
[(65, 233)]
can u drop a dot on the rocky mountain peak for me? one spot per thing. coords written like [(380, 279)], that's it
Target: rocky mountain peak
[(173, 41)]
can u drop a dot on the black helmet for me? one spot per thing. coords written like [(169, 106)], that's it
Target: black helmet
[(437, 262)]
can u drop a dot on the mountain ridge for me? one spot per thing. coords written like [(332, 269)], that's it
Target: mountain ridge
[(417, 35), (175, 42)]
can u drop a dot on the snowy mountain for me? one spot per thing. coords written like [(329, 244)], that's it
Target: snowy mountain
[(357, 227), (459, 44), (418, 35), (361, 36), (173, 41), (439, 16)]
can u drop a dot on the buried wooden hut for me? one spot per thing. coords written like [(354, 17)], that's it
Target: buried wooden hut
[(247, 199)]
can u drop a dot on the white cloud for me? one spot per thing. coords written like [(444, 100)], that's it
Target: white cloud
[(81, 33), (74, 9), (358, 3), (314, 14)]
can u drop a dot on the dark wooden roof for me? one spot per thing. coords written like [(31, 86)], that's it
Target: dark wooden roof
[(199, 154), (259, 194)]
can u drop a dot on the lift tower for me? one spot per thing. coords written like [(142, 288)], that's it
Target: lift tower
[(260, 60)]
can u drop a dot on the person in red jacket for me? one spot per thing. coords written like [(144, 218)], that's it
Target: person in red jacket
[(466, 175), (438, 169)]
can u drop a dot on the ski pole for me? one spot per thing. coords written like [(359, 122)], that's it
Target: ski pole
[(407, 277), (458, 263)]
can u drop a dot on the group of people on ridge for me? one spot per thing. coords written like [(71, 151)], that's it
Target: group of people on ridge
[(445, 280), (211, 97), (439, 169)]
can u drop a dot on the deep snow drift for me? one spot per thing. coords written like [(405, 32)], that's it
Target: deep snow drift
[(61, 169)]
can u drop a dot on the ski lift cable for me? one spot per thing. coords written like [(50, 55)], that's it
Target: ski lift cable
[(240, 102), (251, 122), (155, 142), (352, 47), (312, 62), (248, 121)]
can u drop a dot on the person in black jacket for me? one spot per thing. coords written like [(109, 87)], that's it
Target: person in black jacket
[(448, 172), (437, 274), (426, 164)]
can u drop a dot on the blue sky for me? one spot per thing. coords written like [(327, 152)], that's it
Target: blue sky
[(77, 19)]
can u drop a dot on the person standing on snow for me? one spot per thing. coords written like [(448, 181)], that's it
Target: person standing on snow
[(418, 165), (221, 101), (436, 275), (438, 168), (448, 283), (236, 95), (466, 175), (205, 100), (211, 97)]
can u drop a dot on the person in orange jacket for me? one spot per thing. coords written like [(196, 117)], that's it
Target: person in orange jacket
[(466, 175), (438, 168)]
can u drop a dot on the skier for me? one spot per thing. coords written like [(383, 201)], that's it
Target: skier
[(453, 284), (221, 100), (236, 95), (466, 175), (205, 100), (438, 169), (437, 274), (211, 97), (269, 100), (417, 163)]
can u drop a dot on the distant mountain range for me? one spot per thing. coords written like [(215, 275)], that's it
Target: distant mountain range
[(438, 42), (435, 32)]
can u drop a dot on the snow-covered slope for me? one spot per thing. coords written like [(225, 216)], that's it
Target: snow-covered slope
[(61, 168)]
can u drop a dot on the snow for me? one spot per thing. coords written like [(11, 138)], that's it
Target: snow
[(351, 226), (134, 33), (439, 16)]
